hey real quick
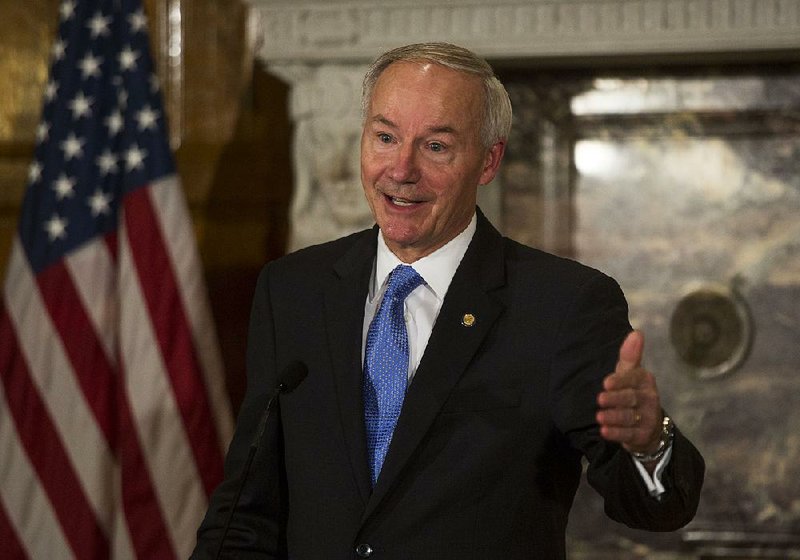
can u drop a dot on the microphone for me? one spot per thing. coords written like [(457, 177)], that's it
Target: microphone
[(293, 374)]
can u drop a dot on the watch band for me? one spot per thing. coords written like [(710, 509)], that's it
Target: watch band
[(665, 442)]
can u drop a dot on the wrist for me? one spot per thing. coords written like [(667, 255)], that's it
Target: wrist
[(664, 443)]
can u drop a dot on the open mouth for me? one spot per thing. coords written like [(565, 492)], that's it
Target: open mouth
[(398, 201)]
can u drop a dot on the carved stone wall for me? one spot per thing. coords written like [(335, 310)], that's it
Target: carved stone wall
[(357, 30), (328, 201), (322, 48)]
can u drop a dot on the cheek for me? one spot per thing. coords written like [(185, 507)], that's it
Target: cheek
[(367, 178), (370, 169), (446, 185)]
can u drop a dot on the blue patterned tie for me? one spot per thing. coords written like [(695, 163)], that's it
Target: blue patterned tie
[(386, 366)]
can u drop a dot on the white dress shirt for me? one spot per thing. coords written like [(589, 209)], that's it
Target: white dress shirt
[(423, 304)]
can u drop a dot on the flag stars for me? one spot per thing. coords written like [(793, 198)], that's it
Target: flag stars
[(81, 106), (99, 203), (67, 9), (50, 90), (43, 132), (64, 187), (137, 20), (99, 25), (90, 66), (59, 49), (56, 227), (107, 162), (127, 58), (134, 158), (72, 147), (114, 122), (147, 118), (35, 172)]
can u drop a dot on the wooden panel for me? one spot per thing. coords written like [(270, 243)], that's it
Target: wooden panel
[(27, 29)]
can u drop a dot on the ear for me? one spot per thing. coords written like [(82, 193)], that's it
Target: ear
[(492, 162)]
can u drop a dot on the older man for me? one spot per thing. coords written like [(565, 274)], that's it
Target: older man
[(455, 377)]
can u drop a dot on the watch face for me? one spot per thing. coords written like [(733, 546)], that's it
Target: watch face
[(711, 330)]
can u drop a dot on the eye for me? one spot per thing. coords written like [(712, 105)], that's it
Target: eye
[(436, 147), (384, 138)]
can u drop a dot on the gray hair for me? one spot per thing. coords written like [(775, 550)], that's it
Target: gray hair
[(496, 123)]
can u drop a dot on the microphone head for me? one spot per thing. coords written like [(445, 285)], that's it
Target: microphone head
[(292, 376)]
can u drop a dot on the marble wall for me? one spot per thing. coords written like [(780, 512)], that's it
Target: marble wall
[(679, 183)]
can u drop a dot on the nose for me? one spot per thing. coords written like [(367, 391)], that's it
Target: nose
[(404, 167)]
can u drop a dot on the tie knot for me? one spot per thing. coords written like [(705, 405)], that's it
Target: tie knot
[(402, 281)]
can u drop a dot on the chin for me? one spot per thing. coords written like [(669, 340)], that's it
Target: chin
[(398, 235)]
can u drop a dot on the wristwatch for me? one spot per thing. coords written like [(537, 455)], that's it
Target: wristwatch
[(664, 443)]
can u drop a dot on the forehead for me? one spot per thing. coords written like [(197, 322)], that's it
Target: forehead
[(426, 90)]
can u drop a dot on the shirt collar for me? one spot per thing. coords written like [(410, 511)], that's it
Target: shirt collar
[(437, 269)]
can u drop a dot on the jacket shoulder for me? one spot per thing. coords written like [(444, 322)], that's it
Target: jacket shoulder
[(542, 265), (321, 257)]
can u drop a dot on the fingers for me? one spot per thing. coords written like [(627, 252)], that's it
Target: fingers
[(629, 399), (637, 429), (620, 417), (625, 397)]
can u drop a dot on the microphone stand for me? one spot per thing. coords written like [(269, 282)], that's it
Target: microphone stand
[(294, 374)]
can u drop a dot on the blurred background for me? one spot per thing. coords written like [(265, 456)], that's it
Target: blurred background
[(658, 141)]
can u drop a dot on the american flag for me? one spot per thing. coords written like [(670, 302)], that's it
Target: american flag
[(113, 413)]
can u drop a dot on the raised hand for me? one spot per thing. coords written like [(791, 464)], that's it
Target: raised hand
[(630, 409)]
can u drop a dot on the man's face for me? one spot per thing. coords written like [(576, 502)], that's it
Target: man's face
[(421, 155)]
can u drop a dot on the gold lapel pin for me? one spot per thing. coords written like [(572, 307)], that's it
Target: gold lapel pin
[(468, 319)]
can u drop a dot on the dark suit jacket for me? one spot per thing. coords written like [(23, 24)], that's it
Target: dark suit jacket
[(486, 457)]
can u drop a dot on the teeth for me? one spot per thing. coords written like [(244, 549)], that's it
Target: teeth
[(401, 201)]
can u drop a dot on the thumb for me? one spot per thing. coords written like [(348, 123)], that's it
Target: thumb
[(630, 353)]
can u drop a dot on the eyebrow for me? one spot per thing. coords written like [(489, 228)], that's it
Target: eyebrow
[(443, 129)]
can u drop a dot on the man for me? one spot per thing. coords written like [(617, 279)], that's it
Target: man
[(516, 364)]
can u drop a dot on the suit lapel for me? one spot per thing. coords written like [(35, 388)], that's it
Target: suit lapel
[(451, 347), (344, 318)]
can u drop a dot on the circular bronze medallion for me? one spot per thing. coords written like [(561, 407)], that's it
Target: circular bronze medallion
[(711, 330)]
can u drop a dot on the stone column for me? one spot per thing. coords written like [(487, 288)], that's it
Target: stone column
[(325, 108)]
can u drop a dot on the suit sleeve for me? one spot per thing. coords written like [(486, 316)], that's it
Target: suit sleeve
[(257, 529), (589, 340)]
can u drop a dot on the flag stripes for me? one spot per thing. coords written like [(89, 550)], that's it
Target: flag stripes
[(92, 270), (46, 368), (113, 411), (29, 512), (8, 537), (176, 227), (54, 469), (82, 349), (143, 513), (161, 295), (155, 411)]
